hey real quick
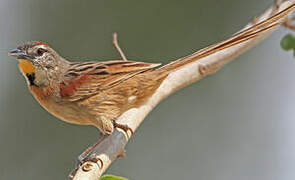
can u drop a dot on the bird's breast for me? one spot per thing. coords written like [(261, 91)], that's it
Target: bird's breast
[(66, 111)]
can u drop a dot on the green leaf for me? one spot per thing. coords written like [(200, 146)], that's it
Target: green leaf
[(288, 42), (112, 177)]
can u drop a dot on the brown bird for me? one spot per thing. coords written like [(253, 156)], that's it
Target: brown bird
[(97, 93)]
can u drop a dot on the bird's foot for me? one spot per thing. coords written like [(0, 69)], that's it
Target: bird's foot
[(86, 156), (124, 127)]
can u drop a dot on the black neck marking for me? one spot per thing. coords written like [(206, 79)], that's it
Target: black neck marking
[(31, 77)]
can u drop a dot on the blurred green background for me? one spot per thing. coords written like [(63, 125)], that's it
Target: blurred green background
[(236, 124)]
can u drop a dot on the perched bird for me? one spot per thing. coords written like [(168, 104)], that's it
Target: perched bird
[(97, 93), (86, 93)]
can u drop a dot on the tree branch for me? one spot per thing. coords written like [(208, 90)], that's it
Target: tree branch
[(113, 146)]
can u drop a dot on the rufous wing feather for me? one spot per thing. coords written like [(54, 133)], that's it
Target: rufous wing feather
[(86, 79)]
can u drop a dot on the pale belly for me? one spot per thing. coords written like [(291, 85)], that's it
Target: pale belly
[(68, 112)]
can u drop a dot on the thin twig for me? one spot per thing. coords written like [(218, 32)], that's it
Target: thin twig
[(116, 45)]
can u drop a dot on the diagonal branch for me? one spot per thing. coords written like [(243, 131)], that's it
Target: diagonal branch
[(204, 62)]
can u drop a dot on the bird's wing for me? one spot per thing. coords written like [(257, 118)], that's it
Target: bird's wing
[(85, 79)]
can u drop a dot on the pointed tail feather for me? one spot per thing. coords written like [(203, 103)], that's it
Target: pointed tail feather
[(247, 34)]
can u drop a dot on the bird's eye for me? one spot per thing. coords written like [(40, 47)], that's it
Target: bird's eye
[(40, 51)]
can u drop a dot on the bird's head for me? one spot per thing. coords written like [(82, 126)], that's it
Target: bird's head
[(38, 62)]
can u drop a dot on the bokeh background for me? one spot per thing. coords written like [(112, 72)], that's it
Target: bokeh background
[(236, 124)]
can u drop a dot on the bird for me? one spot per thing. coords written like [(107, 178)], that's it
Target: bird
[(85, 93), (98, 92)]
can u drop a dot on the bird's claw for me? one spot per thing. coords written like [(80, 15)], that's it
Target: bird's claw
[(86, 165), (124, 127)]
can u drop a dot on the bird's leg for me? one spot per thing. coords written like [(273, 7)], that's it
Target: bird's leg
[(124, 127), (90, 149), (116, 45), (84, 157)]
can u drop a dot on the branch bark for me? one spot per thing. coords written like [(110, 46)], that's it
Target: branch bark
[(113, 146)]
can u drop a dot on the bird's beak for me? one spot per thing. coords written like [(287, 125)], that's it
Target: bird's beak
[(19, 54)]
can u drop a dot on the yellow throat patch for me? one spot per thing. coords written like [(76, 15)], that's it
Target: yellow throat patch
[(26, 66)]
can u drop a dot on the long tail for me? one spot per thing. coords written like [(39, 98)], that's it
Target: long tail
[(238, 38)]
